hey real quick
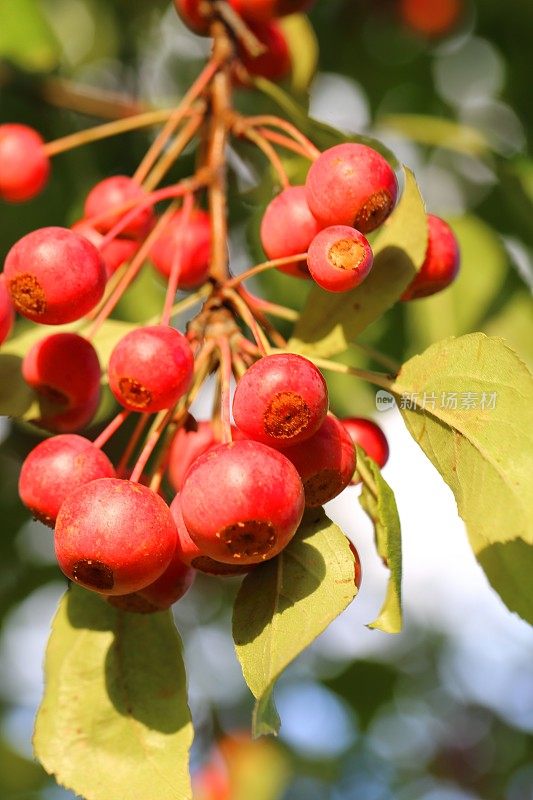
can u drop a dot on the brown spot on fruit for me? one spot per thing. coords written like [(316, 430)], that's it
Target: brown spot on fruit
[(27, 294), (322, 487), (249, 539), (286, 416), (135, 393), (346, 254), (134, 603), (374, 212), (94, 574)]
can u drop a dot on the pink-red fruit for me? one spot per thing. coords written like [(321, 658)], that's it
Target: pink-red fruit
[(54, 276), (24, 164), (242, 502), (441, 264), (281, 400), (115, 253), (325, 462), (288, 228), (55, 468), (7, 313), (351, 184), (190, 244), (186, 447), (151, 368), (275, 62), (369, 437), (114, 536), (110, 194), (265, 10), (339, 258)]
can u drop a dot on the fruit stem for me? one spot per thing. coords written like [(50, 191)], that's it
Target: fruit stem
[(225, 388), (179, 144), (275, 310), (249, 320), (265, 323), (132, 444), (158, 426), (177, 261), (278, 122), (285, 141), (187, 302), (111, 429), (378, 378), (379, 357), (266, 265), (239, 28), (266, 148)]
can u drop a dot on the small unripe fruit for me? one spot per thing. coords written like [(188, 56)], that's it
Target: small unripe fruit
[(24, 164), (7, 312), (351, 184), (115, 253), (55, 468), (288, 228), (114, 536), (441, 264), (369, 437), (54, 276), (281, 400), (325, 462), (111, 193), (192, 245), (339, 258), (242, 502), (275, 62), (151, 368), (191, 554)]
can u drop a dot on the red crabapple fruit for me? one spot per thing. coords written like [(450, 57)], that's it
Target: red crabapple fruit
[(351, 184), (265, 10), (54, 276), (191, 244), (441, 264), (281, 400), (369, 437), (151, 368), (275, 62), (186, 447), (114, 536), (56, 467), (339, 258), (115, 253), (7, 312), (431, 17), (288, 228), (325, 462), (191, 554), (24, 164), (196, 14), (112, 193), (242, 502)]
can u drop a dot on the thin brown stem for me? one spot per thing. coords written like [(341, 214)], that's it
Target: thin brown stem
[(266, 265), (111, 429), (272, 332), (179, 144), (278, 122), (133, 441), (266, 148), (285, 141), (239, 28), (275, 310), (225, 388), (250, 321)]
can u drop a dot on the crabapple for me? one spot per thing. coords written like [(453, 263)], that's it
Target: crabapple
[(151, 368), (325, 462), (196, 14), (431, 17), (7, 313), (369, 437), (242, 502), (187, 446), (114, 253), (265, 10), (54, 468), (441, 264), (191, 554), (110, 194), (191, 244), (351, 184), (114, 536), (280, 400), (339, 258), (24, 163), (288, 228), (275, 62), (54, 275)]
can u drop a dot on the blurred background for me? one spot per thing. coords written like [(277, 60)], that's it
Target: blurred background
[(443, 711)]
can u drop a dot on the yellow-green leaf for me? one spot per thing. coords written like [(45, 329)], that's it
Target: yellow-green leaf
[(25, 36), (468, 402), (114, 722), (438, 132), (377, 499), (286, 603)]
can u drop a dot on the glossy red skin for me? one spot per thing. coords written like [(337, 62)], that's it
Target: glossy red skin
[(357, 566), (327, 459), (159, 359), (191, 554), (56, 467), (369, 437), (441, 264), (111, 193), (192, 244), (339, 258), (7, 312), (66, 272), (344, 180), (243, 485), (265, 10), (186, 447), (264, 383), (122, 526), (114, 254), (276, 62), (24, 164), (288, 228), (431, 18)]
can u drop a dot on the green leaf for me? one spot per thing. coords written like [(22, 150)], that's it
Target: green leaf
[(377, 499), (331, 321), (303, 46), (484, 453), (513, 323), (438, 132), (286, 603), (26, 39), (114, 721)]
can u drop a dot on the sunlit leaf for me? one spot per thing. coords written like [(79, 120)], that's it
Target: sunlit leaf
[(26, 39)]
